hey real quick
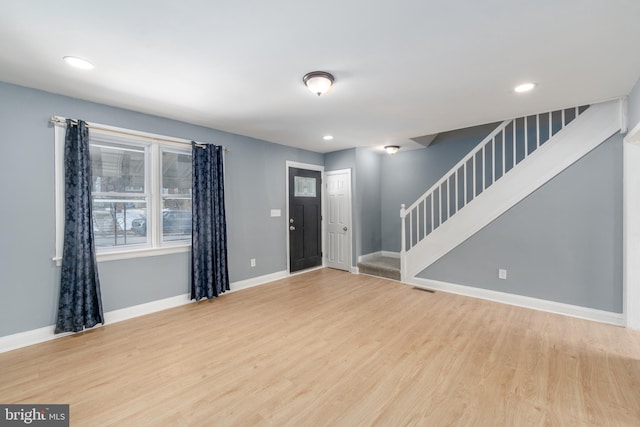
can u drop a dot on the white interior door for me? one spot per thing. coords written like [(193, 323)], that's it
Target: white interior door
[(338, 224)]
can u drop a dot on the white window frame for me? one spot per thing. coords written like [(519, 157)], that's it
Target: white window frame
[(163, 148), (156, 144)]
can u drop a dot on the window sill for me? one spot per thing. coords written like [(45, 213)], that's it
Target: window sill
[(136, 253)]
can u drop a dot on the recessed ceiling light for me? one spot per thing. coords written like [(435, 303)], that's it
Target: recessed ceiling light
[(83, 64), (524, 87), (327, 137)]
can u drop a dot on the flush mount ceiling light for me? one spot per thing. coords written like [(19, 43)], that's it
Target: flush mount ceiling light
[(318, 82), (524, 87), (327, 137), (83, 64), (391, 149)]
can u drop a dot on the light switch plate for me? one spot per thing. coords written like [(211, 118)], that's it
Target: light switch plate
[(276, 212)]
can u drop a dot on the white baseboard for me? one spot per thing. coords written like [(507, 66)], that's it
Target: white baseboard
[(260, 280), (521, 301), (35, 336), (368, 256), (146, 308)]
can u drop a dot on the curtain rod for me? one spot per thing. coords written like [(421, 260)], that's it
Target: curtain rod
[(58, 120)]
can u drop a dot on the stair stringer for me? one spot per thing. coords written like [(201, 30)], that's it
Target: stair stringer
[(586, 132)]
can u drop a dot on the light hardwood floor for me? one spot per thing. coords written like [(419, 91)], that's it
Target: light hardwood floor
[(331, 348)]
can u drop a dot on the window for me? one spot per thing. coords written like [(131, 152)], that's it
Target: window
[(176, 196), (304, 187), (119, 194), (141, 194)]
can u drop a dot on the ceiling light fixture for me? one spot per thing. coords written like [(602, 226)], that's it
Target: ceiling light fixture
[(327, 137), (318, 82), (83, 64), (524, 87), (391, 149)]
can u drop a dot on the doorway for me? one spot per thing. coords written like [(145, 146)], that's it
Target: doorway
[(304, 221), (338, 227)]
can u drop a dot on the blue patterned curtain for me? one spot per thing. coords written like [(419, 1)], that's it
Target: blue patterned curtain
[(80, 305), (209, 272)]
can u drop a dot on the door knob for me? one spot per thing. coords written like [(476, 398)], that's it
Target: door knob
[(345, 228), (292, 228)]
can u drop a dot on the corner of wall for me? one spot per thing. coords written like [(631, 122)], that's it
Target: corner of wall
[(633, 103)]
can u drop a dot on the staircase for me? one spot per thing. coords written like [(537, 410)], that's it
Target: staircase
[(514, 160)]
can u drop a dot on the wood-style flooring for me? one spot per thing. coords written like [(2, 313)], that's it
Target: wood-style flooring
[(328, 348)]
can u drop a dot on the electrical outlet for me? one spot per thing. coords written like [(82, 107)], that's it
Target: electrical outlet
[(253, 262), (502, 274)]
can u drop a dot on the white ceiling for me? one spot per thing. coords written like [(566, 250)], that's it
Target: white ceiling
[(403, 68)]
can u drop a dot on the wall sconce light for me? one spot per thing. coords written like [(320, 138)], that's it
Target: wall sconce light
[(318, 82), (391, 149)]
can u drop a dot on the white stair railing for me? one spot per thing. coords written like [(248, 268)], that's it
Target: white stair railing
[(502, 150)]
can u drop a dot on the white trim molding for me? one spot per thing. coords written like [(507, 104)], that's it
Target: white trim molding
[(631, 228), (633, 137), (521, 301), (624, 114), (590, 129), (35, 336), (127, 313), (257, 281)]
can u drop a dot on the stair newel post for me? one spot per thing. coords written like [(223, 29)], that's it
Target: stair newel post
[(403, 247)]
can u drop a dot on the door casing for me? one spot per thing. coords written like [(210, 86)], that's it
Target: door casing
[(631, 228)]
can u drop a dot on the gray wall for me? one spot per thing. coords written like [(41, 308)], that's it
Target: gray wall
[(634, 106), (562, 243), (255, 172), (366, 197), (408, 174), (368, 201), (343, 159)]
